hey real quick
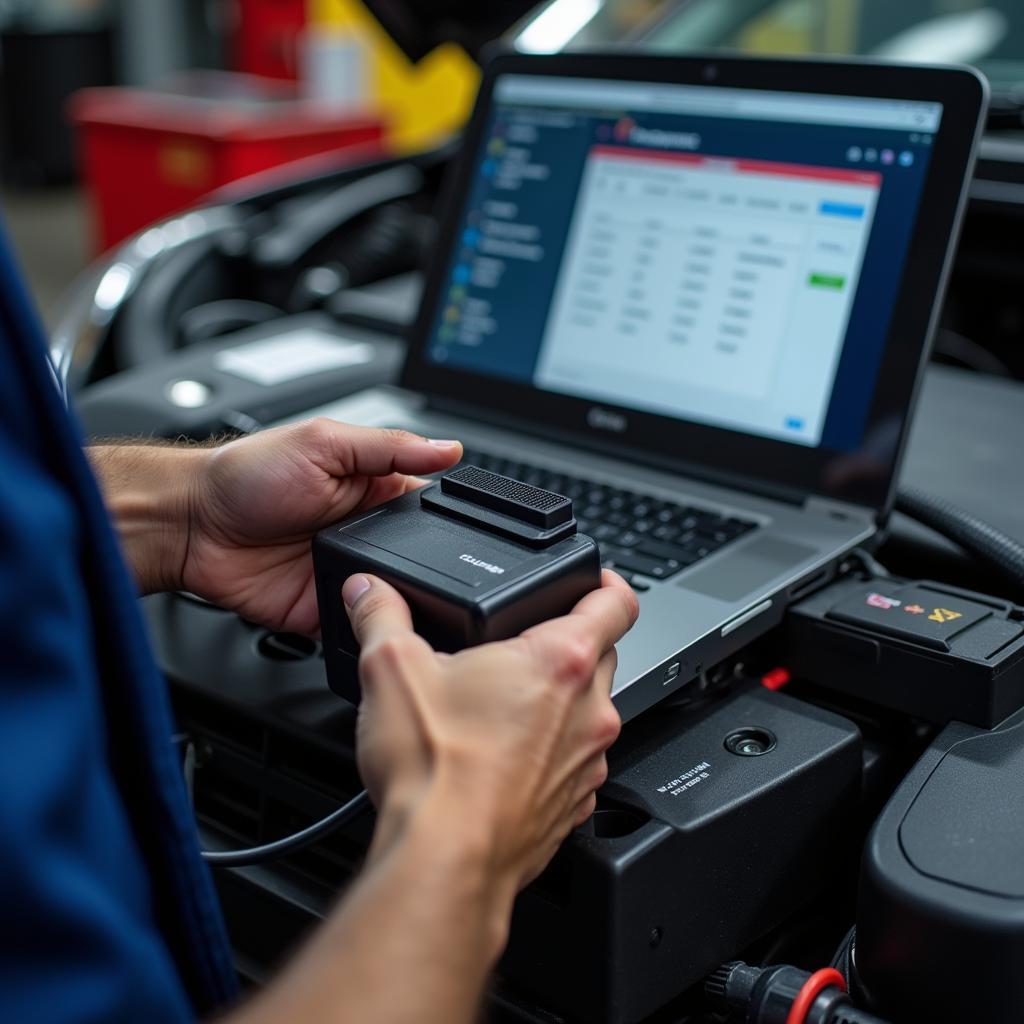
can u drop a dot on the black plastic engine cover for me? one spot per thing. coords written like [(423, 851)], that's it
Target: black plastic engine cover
[(940, 930), (694, 853)]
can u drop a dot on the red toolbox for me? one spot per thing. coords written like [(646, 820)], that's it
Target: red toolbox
[(146, 154), (268, 37)]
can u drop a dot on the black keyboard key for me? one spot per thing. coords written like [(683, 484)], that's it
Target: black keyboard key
[(628, 539), (716, 537), (667, 552), (725, 530), (709, 521), (604, 531), (638, 585), (698, 548), (739, 526), (659, 569)]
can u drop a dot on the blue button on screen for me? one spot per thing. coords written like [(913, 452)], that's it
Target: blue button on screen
[(841, 210)]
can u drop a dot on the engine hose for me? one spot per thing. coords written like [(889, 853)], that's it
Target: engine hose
[(1001, 553)]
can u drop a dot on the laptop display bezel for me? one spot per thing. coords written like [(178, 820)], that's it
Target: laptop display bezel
[(865, 476)]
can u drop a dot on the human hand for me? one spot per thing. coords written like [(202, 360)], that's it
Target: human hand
[(256, 504), (480, 763), (501, 745)]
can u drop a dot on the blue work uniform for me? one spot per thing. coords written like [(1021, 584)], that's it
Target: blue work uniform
[(107, 912)]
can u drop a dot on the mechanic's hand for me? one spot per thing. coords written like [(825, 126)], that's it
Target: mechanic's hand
[(503, 744), (257, 502)]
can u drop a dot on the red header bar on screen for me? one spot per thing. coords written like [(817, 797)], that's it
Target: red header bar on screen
[(742, 166)]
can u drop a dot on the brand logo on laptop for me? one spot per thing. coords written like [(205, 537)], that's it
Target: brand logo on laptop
[(605, 419), (480, 564)]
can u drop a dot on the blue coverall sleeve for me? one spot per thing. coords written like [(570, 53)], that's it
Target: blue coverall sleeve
[(79, 942)]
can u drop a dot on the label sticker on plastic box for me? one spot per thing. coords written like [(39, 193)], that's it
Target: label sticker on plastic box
[(298, 353)]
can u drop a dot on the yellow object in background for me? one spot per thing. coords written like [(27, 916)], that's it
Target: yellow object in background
[(802, 26), (422, 102)]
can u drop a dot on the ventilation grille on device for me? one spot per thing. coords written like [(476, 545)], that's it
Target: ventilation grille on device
[(507, 496)]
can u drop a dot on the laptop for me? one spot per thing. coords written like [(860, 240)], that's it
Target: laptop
[(696, 296)]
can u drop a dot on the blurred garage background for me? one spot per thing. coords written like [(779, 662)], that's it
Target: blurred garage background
[(117, 113)]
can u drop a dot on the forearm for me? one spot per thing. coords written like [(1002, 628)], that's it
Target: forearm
[(412, 943), (148, 490)]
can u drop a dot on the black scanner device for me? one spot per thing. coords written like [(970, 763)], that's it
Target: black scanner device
[(478, 557)]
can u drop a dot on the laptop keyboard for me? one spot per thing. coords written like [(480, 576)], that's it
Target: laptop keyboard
[(640, 536)]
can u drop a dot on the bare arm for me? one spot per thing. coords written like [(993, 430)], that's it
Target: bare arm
[(148, 490), (412, 943), (481, 762)]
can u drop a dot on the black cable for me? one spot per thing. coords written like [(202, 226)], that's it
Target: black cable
[(868, 563), (358, 805), (842, 960), (769, 995), (250, 855), (1001, 553)]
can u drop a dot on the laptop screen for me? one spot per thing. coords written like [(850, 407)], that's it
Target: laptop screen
[(721, 256)]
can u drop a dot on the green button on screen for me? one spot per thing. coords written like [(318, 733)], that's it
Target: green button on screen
[(827, 281)]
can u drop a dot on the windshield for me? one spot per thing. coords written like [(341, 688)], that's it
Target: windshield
[(987, 35)]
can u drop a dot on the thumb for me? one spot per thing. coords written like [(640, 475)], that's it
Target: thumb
[(376, 610)]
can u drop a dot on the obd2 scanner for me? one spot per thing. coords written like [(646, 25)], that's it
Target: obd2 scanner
[(478, 557)]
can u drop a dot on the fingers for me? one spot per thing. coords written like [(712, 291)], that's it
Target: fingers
[(342, 449), (376, 610), (591, 778), (604, 675), (383, 488), (608, 612), (575, 643), (616, 583), (584, 810), (380, 489)]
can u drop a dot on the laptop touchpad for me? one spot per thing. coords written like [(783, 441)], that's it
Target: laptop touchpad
[(746, 569)]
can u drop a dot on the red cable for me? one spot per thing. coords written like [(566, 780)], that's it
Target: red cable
[(812, 988)]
